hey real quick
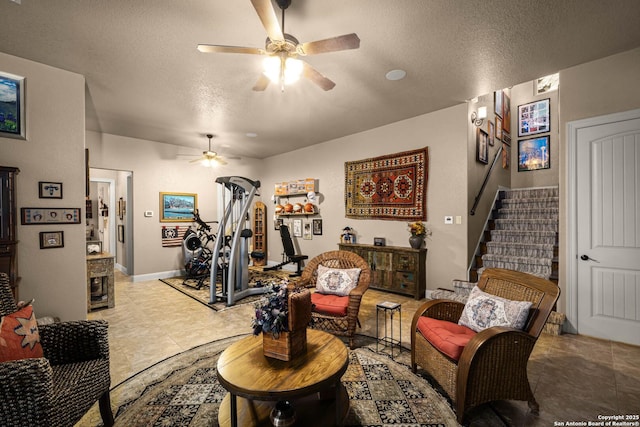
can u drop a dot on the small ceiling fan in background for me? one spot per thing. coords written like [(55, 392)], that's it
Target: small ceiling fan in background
[(210, 158), (282, 64)]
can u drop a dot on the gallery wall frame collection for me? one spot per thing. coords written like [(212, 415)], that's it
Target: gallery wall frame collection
[(534, 118), (12, 109), (533, 154), (39, 216)]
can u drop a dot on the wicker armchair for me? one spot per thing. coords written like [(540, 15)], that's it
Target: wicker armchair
[(493, 364), (59, 388), (338, 325)]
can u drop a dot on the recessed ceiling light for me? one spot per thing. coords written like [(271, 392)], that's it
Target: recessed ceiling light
[(251, 134), (396, 75)]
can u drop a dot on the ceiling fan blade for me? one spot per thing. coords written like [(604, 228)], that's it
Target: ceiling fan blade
[(214, 48), (196, 160), (262, 83), (220, 161), (315, 76), (267, 15), (345, 42)]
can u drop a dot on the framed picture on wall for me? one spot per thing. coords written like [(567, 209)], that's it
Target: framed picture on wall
[(51, 239), (506, 156), (297, 228), (534, 118), (34, 216), (277, 223), (317, 227), (482, 146), (492, 132), (506, 112), (49, 190), (498, 128), (533, 154), (306, 232), (13, 107), (177, 207), (497, 102)]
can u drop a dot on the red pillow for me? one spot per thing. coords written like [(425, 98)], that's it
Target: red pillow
[(19, 337)]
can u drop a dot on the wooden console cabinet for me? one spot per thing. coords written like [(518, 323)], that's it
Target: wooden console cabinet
[(394, 269), (100, 281), (8, 218)]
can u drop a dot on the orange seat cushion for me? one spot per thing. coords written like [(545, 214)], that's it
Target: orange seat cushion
[(448, 337), (332, 305)]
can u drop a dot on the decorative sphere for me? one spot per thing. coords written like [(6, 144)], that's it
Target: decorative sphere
[(308, 207), (288, 208), (279, 209), (297, 208)]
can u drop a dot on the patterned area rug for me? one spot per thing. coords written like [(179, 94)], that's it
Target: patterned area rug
[(257, 277), (388, 187), (184, 391)]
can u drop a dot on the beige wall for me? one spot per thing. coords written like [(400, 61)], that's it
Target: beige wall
[(156, 168), (444, 132), (606, 86), (478, 171), (53, 151)]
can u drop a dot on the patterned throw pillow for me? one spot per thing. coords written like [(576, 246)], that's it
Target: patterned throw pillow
[(336, 281), (19, 337), (484, 310)]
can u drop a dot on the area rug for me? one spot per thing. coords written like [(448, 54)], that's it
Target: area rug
[(183, 390), (388, 187), (257, 277)]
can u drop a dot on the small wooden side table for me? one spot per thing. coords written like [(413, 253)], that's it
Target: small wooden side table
[(311, 382), (100, 273)]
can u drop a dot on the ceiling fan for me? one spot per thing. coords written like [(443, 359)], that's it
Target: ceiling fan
[(210, 158), (285, 49)]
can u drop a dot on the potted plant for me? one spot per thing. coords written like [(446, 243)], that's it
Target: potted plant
[(418, 232)]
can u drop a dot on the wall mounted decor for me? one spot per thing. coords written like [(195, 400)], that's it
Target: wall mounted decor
[(49, 190), (34, 216), (51, 239), (534, 118), (389, 187), (533, 154), (306, 231), (492, 133), (12, 107), (497, 97), (297, 228), (506, 155), (498, 128), (171, 235), (506, 112), (120, 233), (177, 207), (122, 208), (277, 223), (317, 227), (482, 146)]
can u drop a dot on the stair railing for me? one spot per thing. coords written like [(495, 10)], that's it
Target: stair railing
[(484, 183)]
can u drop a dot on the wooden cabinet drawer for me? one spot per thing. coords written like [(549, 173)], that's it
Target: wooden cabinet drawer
[(100, 267), (405, 282)]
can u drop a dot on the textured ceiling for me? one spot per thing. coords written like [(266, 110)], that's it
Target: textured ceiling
[(145, 78)]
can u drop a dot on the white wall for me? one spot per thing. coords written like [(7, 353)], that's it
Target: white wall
[(444, 132), (53, 151)]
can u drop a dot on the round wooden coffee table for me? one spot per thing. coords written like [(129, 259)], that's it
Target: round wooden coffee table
[(311, 382)]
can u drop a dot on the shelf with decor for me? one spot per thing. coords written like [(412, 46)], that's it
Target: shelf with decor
[(394, 269)]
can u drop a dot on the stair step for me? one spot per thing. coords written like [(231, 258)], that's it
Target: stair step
[(537, 213), (527, 224), (526, 193), (520, 249), (536, 270), (535, 237), (525, 204), (495, 259)]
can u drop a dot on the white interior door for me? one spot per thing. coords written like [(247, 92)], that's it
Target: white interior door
[(608, 230)]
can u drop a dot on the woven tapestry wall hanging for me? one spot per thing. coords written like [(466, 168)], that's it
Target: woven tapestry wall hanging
[(388, 187)]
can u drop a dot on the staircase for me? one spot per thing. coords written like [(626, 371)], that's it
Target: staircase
[(521, 234)]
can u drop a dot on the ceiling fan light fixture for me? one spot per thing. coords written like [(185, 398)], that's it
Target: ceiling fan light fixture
[(280, 69)]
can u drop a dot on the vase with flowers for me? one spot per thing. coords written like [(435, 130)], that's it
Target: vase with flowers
[(418, 233), (282, 316)]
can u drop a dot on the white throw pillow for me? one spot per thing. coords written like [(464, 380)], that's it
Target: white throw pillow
[(484, 310), (336, 281)]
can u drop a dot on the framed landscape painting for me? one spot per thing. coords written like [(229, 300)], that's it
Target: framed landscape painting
[(12, 117), (177, 207)]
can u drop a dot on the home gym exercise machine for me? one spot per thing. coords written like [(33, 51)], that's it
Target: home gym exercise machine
[(235, 266), (197, 250)]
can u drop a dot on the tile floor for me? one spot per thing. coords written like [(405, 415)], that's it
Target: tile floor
[(574, 378)]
